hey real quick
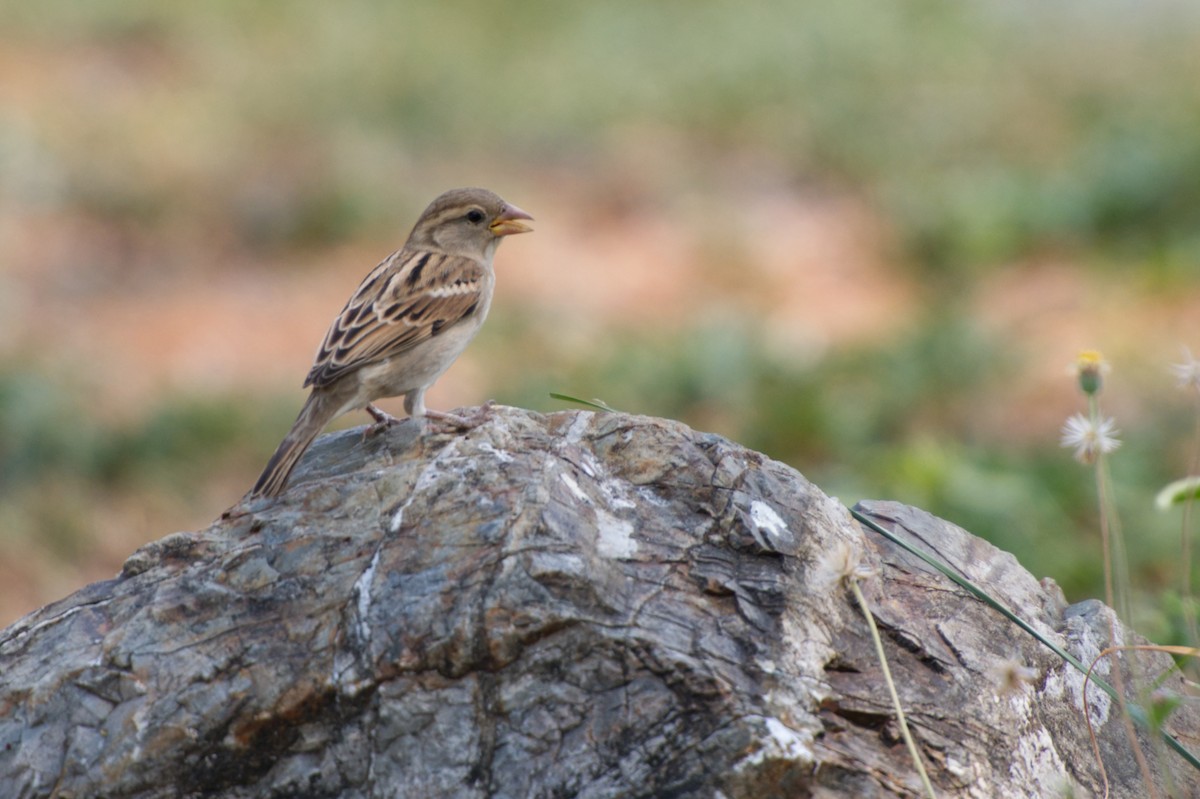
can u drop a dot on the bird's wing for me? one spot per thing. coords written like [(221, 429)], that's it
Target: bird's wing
[(408, 299)]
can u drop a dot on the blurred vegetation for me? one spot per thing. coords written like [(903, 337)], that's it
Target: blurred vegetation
[(981, 133), (982, 130), (47, 434)]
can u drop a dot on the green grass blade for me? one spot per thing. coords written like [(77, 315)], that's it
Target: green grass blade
[(1138, 714), (595, 404)]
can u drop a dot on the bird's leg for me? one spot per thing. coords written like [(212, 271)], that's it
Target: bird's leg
[(383, 421)]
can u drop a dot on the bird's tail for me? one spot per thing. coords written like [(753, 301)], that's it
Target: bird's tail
[(316, 413)]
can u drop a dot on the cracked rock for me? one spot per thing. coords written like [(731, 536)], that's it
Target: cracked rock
[(563, 605)]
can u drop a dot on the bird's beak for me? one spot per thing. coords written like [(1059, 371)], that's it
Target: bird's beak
[(508, 222)]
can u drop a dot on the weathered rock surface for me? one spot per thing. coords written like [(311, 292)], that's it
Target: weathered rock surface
[(551, 606)]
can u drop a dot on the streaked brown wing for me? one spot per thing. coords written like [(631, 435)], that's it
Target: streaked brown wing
[(407, 299)]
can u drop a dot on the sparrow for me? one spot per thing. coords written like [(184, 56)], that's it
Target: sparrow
[(409, 319)]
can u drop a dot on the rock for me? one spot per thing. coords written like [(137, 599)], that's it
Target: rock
[(576, 604)]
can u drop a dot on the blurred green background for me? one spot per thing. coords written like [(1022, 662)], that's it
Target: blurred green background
[(866, 239)]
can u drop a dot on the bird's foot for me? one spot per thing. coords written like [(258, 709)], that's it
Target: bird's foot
[(383, 421), (453, 422)]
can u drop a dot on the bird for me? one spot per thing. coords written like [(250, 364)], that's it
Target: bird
[(408, 321)]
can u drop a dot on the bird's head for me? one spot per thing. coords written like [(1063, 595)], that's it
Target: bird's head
[(469, 222)]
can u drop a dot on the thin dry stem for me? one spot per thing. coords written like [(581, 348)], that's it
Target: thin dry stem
[(1186, 651), (1185, 541), (887, 677), (1109, 537)]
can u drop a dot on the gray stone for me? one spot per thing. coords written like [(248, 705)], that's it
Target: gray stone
[(576, 604)]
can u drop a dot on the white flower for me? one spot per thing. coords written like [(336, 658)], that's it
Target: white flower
[(1010, 675), (1188, 372), (1091, 438), (840, 563)]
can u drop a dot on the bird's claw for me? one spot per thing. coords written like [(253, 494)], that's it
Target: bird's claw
[(454, 422), (383, 421)]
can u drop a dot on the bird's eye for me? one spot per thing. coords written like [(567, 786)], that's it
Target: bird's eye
[(475, 216)]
